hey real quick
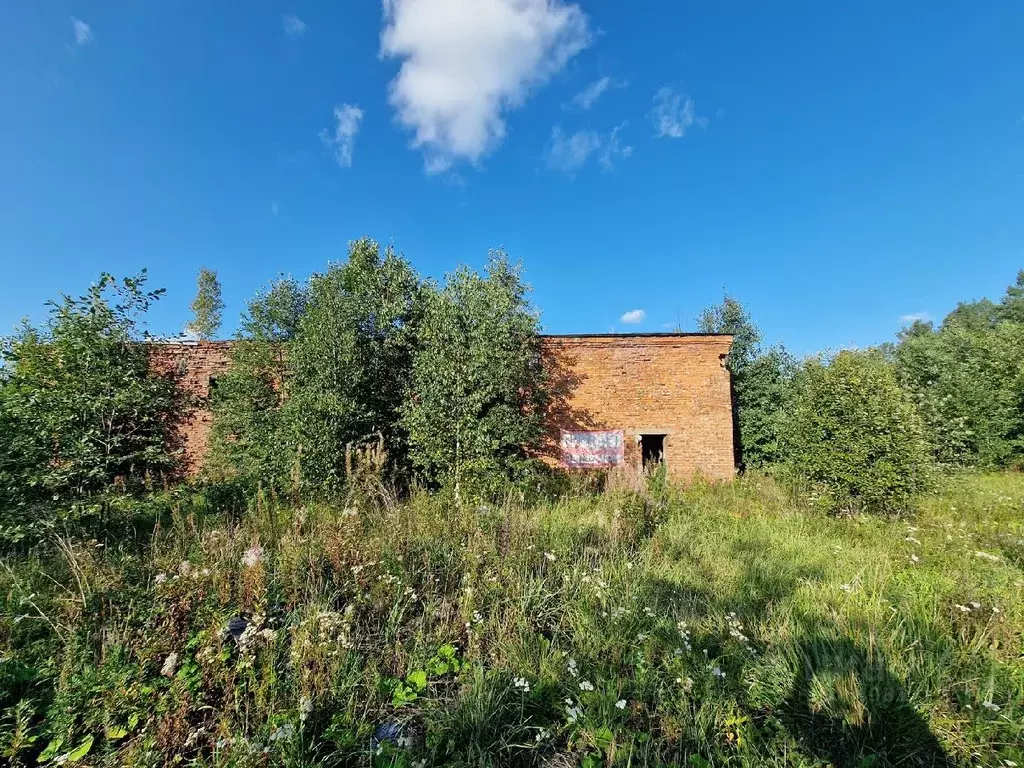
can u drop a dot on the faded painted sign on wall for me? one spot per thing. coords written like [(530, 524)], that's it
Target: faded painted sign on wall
[(592, 449)]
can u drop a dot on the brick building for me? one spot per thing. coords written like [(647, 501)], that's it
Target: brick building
[(619, 398)]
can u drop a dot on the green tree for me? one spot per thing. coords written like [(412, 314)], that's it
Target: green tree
[(81, 410), (245, 440), (761, 381), (350, 362), (1011, 308), (207, 306), (479, 389), (855, 436), (967, 378)]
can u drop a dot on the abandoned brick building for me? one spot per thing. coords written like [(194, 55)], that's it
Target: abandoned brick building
[(621, 399)]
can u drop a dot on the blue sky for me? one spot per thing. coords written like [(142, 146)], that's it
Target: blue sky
[(836, 166)]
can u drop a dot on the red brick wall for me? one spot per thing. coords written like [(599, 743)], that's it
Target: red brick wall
[(194, 365), (671, 384), (676, 385)]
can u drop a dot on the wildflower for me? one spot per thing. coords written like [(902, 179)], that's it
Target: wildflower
[(522, 684), (648, 611), (987, 556), (846, 588), (991, 707), (170, 665), (915, 559), (717, 672), (573, 670), (975, 605), (573, 713), (542, 735), (253, 556), (621, 703), (586, 685), (160, 578), (283, 733), (550, 556), (963, 608), (305, 708), (912, 540)]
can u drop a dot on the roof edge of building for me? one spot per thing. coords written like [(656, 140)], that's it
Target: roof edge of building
[(553, 336), (665, 335)]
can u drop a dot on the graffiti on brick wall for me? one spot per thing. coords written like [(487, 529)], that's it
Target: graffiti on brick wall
[(592, 449)]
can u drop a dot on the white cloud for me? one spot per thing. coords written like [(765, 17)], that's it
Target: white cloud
[(569, 153), (348, 118), (293, 25), (588, 97), (633, 317), (613, 148), (466, 63), (914, 317), (83, 32), (673, 113)]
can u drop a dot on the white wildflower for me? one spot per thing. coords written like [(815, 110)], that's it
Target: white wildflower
[(305, 708), (915, 559), (717, 672), (991, 707), (621, 703), (586, 685), (573, 670), (550, 556), (170, 665), (253, 556), (522, 684), (987, 556), (160, 578), (283, 733)]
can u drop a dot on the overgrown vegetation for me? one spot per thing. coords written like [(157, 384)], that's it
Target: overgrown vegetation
[(721, 625), (84, 418), (372, 570), (855, 437)]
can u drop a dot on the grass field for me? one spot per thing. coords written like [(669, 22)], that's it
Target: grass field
[(716, 625)]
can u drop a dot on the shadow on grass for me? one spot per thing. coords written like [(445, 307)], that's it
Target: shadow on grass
[(847, 708), (840, 703)]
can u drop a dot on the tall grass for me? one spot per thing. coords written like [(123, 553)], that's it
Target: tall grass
[(647, 625)]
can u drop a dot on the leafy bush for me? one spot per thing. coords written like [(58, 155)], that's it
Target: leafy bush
[(81, 411), (761, 382), (967, 377), (855, 436), (245, 437), (349, 363), (479, 390)]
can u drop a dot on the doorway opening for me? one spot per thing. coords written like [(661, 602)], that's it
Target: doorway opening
[(652, 450)]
